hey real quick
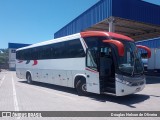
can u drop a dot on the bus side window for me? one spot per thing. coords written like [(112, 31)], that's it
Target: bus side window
[(59, 50), (74, 49)]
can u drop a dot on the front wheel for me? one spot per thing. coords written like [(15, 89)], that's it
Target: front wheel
[(81, 88), (29, 79)]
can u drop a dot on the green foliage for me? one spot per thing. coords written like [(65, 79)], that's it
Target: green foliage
[(3, 57)]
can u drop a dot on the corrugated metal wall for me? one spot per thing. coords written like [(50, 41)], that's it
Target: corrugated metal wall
[(129, 9), (137, 10), (151, 43), (95, 14)]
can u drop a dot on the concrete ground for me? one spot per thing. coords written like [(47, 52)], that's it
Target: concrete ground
[(17, 95)]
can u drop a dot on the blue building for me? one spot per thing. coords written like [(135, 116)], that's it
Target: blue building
[(134, 18), (151, 43), (12, 53)]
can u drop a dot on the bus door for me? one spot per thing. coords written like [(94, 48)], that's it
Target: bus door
[(106, 70), (105, 62), (92, 74)]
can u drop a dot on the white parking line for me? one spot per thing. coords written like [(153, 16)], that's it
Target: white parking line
[(2, 80), (14, 96)]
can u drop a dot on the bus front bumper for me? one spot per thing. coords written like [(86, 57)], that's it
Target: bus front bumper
[(123, 88)]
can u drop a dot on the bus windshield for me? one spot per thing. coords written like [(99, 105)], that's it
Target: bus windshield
[(131, 62)]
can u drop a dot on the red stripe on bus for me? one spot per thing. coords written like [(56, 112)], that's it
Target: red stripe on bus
[(20, 61), (35, 62), (91, 70)]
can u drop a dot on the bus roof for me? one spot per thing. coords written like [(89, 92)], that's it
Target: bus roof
[(61, 39), (79, 35), (103, 33)]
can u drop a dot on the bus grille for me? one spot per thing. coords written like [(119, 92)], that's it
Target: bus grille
[(137, 83)]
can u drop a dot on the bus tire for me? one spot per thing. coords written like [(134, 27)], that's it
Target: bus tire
[(81, 88), (29, 78)]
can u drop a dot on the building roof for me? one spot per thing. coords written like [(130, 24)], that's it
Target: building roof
[(16, 45), (151, 43), (134, 18)]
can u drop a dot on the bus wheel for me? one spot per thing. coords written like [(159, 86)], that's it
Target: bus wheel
[(81, 88), (29, 79)]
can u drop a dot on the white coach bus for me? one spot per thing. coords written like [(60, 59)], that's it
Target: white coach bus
[(92, 61)]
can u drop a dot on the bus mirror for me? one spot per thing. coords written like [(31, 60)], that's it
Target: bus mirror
[(145, 48), (118, 44)]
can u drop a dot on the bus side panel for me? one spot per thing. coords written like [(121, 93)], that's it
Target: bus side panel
[(55, 77), (62, 77), (20, 70), (44, 77), (20, 73), (53, 71), (36, 75), (69, 78)]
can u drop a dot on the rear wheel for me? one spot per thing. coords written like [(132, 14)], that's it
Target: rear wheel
[(81, 87), (29, 78)]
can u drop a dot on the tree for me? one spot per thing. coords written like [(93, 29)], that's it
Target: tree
[(4, 58)]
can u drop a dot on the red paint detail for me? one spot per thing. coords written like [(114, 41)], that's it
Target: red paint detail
[(119, 45), (103, 33), (145, 48), (35, 62), (120, 36), (91, 70), (20, 61)]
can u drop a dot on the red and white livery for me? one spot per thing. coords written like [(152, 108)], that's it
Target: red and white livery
[(91, 61)]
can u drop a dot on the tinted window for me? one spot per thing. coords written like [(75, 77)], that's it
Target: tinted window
[(68, 49), (20, 55), (59, 50), (94, 42), (75, 49)]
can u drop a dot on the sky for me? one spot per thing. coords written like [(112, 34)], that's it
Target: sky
[(32, 21)]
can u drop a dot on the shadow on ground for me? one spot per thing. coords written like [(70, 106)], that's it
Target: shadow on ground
[(128, 100), (152, 79)]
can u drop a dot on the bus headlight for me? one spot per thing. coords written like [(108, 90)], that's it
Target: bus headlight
[(128, 83), (125, 82)]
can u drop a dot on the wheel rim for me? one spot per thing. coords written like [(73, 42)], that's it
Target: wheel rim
[(29, 78), (84, 87)]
